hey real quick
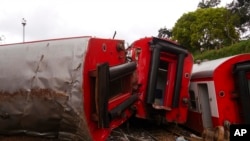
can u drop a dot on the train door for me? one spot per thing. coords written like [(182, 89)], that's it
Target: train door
[(205, 105), (241, 72), (164, 82), (161, 82), (166, 69)]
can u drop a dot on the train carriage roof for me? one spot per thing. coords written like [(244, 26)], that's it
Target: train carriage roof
[(206, 69)]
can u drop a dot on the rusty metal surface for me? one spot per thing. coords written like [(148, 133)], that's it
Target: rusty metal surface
[(41, 89)]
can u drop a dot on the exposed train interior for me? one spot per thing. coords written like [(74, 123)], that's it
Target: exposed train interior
[(162, 82)]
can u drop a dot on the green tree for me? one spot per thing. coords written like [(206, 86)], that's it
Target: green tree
[(182, 30), (208, 28), (208, 3), (241, 8), (164, 33)]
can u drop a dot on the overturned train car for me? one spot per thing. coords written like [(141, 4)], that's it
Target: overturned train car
[(164, 70), (81, 88), (219, 93)]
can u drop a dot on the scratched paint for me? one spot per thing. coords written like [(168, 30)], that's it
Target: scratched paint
[(41, 89)]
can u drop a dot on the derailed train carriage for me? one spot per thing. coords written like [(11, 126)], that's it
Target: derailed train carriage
[(219, 93), (164, 70), (81, 88)]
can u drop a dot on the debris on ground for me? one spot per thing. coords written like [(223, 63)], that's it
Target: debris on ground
[(144, 130)]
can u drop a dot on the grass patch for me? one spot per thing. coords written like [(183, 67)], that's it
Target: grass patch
[(238, 48)]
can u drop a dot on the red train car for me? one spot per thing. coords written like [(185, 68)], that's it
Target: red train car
[(81, 88), (68, 89), (219, 93), (164, 70)]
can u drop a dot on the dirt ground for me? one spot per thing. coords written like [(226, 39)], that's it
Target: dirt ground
[(134, 130), (144, 130), (24, 138)]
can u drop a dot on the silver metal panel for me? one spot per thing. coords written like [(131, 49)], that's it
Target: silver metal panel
[(207, 68), (41, 88)]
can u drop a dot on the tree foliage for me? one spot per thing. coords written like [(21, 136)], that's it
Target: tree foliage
[(164, 33), (241, 8), (208, 3), (208, 28)]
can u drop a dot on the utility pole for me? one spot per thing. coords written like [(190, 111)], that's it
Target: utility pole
[(23, 23)]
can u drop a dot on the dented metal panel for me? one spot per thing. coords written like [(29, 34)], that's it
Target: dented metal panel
[(41, 89)]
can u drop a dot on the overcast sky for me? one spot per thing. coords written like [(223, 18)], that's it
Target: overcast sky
[(48, 19)]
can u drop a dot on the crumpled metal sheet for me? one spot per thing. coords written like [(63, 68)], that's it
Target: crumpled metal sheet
[(41, 89)]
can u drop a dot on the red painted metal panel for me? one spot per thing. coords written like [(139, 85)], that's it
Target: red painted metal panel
[(194, 121), (141, 52), (101, 51), (225, 87), (229, 108), (180, 114), (171, 78)]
